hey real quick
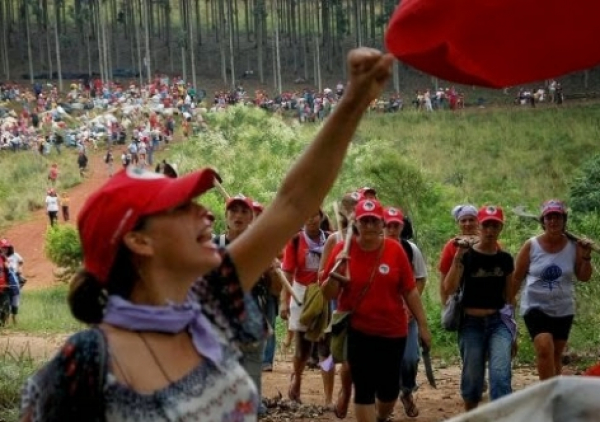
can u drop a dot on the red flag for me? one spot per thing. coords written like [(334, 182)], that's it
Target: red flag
[(496, 43)]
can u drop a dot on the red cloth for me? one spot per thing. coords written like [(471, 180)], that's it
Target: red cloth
[(381, 312), (495, 43), (294, 261)]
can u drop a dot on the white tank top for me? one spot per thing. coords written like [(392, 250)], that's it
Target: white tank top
[(549, 282)]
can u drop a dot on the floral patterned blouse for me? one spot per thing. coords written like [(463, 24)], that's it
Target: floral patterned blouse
[(77, 384)]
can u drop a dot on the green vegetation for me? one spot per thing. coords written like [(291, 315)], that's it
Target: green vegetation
[(24, 181)]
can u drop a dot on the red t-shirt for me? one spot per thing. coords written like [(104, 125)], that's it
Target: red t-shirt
[(298, 261), (448, 254), (446, 257), (381, 312)]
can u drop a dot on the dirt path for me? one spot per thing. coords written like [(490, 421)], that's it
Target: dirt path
[(434, 404), (28, 237)]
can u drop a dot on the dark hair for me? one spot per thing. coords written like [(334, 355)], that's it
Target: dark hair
[(564, 220), (87, 296), (325, 222), (407, 230)]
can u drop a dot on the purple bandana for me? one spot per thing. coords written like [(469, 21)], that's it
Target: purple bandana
[(166, 319)]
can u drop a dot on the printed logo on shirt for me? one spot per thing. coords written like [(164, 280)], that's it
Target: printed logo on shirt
[(550, 276), (384, 269)]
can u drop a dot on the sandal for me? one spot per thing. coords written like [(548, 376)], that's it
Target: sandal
[(410, 408), (294, 390), (341, 405)]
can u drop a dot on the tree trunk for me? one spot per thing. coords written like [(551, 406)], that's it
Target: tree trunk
[(230, 28), (138, 40), (49, 51), (147, 36), (259, 16), (396, 76), (192, 44), (5, 59), (29, 54), (56, 40)]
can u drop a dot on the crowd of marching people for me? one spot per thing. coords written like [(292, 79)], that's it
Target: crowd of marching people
[(182, 319)]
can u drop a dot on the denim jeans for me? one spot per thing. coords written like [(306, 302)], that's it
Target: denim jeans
[(410, 361), (271, 312), (252, 363), (479, 338)]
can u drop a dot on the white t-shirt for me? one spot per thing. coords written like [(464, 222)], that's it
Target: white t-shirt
[(418, 262), (51, 203)]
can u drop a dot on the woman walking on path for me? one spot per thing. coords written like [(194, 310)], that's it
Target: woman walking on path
[(164, 342), (484, 273), (381, 282), (547, 267)]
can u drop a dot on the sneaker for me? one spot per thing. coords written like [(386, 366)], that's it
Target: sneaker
[(267, 367)]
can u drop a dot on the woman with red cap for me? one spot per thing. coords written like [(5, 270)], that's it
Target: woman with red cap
[(170, 309), (548, 265), (483, 273), (381, 282)]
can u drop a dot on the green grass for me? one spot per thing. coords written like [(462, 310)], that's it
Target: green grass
[(14, 370), (45, 312), (23, 181)]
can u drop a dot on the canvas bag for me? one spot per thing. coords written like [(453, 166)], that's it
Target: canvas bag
[(340, 321), (453, 310)]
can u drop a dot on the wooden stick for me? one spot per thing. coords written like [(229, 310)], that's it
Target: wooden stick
[(286, 284), (221, 189)]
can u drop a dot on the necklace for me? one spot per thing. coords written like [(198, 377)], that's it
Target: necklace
[(155, 358)]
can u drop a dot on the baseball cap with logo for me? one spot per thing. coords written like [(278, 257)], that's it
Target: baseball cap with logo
[(368, 208), (115, 209), (239, 199), (490, 213), (393, 215), (553, 206)]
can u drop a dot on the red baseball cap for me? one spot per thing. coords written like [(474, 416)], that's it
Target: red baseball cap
[(490, 213), (114, 210), (363, 191), (257, 207), (368, 208), (393, 215), (239, 199), (553, 206), (497, 43)]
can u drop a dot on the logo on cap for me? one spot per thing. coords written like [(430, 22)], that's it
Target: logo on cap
[(368, 206), (392, 211), (142, 174), (355, 196), (491, 210), (384, 269)]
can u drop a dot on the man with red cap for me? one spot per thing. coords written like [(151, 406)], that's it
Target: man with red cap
[(239, 214)]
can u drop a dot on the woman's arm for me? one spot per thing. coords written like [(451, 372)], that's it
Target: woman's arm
[(413, 301), (521, 268), (313, 174), (327, 248), (452, 280), (510, 293), (583, 260)]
